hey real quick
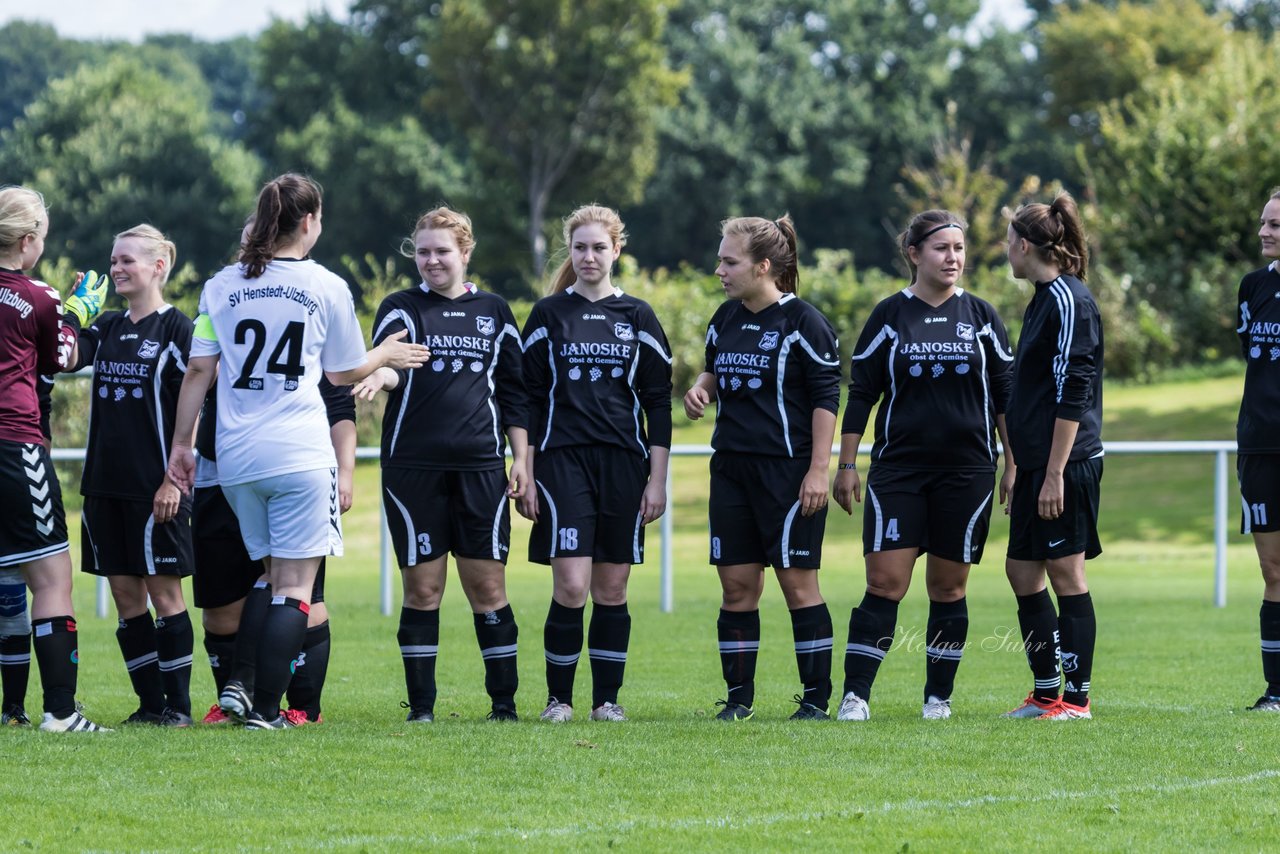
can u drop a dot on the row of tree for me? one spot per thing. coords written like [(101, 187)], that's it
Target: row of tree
[(851, 114)]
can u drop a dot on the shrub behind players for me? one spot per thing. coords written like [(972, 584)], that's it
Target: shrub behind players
[(444, 479), (276, 322), (772, 363), (595, 358), (36, 337), (135, 528), (1055, 426), (940, 358), (1258, 437)]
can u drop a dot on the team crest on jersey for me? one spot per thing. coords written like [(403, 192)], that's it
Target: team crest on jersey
[(485, 325), (769, 341), (623, 331), (148, 349), (965, 331)]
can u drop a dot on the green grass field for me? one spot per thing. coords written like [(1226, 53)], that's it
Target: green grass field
[(1170, 761)]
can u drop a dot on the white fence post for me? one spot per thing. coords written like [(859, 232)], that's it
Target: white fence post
[(1220, 529), (667, 596)]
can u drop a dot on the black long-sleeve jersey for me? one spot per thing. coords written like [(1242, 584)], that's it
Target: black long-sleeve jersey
[(1258, 427), (137, 373), (1057, 373), (592, 368), (772, 369), (451, 412), (44, 394), (944, 375)]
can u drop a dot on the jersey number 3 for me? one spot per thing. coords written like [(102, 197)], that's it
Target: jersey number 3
[(285, 358)]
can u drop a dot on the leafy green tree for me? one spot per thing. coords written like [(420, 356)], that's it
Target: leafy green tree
[(120, 143), (32, 54), (558, 97)]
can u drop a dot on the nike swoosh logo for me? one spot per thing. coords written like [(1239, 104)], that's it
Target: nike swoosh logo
[(1054, 545)]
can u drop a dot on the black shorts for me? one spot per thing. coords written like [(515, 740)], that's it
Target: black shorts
[(119, 536), (589, 505), (1259, 476), (224, 571), (754, 513), (431, 513), (32, 523), (946, 513), (1075, 531)]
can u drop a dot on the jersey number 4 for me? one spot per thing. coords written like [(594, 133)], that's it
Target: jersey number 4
[(285, 358)]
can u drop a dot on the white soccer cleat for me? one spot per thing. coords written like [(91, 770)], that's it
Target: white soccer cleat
[(1064, 711), (1031, 708), (853, 708), (74, 722), (557, 712), (608, 712), (936, 710)]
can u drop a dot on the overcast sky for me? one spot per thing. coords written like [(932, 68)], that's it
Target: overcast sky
[(218, 19)]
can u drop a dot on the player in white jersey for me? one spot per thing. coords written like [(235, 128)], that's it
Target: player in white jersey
[(268, 327)]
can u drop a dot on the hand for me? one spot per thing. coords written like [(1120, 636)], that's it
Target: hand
[(1051, 500), (695, 402), (368, 387), (402, 355), (1006, 486), (517, 480), (165, 505), (86, 299), (813, 492), (182, 468), (653, 503), (847, 489), (527, 504), (346, 489)]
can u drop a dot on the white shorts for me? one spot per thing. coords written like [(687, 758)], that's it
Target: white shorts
[(290, 515)]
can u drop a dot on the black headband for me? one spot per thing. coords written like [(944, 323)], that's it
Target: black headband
[(935, 230)]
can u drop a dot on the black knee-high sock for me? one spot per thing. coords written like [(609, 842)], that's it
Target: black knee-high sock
[(945, 638), (1269, 618), (221, 650), (562, 642), (283, 631), (175, 642), (419, 639), (137, 639), (871, 629), (812, 630), (308, 676), (58, 657), (1039, 625), (739, 634), (496, 633), (252, 617), (608, 637), (15, 670), (1079, 629)]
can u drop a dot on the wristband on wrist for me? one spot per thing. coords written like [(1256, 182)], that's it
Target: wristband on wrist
[(846, 466)]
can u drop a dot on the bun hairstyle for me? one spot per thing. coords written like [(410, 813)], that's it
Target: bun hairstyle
[(1055, 233), (586, 215), (771, 240), (442, 218), (21, 212), (154, 245), (921, 226), (283, 204)]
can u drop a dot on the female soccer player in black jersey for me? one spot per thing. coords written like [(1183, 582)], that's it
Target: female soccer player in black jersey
[(1258, 437), (36, 337), (444, 480), (940, 358), (135, 527), (594, 359), (773, 366), (1055, 428)]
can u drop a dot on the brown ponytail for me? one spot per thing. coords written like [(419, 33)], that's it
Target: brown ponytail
[(771, 240), (282, 205), (1055, 233)]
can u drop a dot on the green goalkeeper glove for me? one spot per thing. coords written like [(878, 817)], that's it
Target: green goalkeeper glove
[(86, 301)]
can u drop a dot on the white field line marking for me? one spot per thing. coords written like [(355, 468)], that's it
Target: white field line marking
[(724, 821)]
